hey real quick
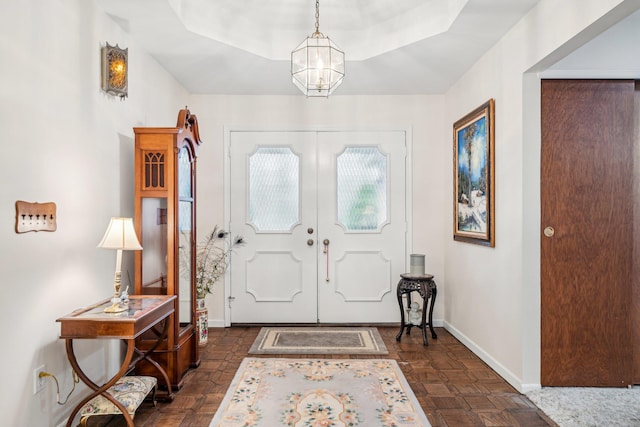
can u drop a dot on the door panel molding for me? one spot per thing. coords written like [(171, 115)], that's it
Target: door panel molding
[(281, 281), (368, 271)]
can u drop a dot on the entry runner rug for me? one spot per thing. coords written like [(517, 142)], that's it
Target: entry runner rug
[(318, 393), (318, 340)]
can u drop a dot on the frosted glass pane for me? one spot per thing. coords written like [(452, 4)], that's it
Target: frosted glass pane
[(274, 188), (184, 215), (184, 173), (362, 188)]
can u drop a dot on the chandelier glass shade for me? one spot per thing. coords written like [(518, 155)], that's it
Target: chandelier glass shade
[(317, 64)]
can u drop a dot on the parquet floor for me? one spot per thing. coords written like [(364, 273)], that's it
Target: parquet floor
[(454, 387)]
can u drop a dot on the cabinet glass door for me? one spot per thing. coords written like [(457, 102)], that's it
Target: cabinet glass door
[(154, 242), (185, 237)]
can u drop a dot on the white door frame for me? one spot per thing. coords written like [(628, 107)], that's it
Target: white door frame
[(228, 130)]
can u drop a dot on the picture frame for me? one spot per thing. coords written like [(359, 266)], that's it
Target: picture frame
[(473, 176)]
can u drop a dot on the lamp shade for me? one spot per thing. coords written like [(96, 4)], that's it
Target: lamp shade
[(120, 234)]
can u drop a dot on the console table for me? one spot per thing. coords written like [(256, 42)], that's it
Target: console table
[(426, 288), (144, 314)]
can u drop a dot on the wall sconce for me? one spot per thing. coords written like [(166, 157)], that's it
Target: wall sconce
[(114, 70)]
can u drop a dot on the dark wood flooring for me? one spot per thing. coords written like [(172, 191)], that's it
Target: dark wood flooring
[(454, 387)]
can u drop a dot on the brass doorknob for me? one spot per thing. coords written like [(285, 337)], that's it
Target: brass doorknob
[(549, 231)]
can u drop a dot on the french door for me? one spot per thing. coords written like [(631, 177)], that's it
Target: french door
[(323, 215)]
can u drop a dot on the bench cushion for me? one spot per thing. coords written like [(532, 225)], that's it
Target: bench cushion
[(128, 390)]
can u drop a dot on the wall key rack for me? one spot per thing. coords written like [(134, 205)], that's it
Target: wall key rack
[(35, 216)]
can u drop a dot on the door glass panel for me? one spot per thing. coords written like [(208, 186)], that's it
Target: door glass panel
[(184, 248), (361, 188), (185, 238), (184, 173), (154, 242), (274, 189)]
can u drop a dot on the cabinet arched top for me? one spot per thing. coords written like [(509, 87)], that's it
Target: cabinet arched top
[(185, 133), (188, 124)]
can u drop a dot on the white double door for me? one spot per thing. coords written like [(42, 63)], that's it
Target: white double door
[(323, 217)]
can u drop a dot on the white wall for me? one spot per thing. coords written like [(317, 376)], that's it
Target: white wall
[(493, 295), (66, 142), (63, 141), (423, 114)]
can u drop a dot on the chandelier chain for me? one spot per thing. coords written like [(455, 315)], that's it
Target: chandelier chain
[(317, 16)]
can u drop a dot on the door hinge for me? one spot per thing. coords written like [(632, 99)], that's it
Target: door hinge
[(231, 299)]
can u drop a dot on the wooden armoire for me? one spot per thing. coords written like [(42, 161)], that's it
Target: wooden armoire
[(165, 220)]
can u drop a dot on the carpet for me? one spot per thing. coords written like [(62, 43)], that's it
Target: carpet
[(319, 393), (589, 406), (318, 340)]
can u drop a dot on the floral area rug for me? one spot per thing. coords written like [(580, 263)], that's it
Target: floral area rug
[(319, 393), (318, 340)]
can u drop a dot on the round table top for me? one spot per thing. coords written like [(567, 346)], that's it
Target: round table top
[(409, 276)]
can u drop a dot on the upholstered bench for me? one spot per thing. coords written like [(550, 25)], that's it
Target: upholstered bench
[(128, 390)]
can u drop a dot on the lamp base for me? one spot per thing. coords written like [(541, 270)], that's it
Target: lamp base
[(116, 307)]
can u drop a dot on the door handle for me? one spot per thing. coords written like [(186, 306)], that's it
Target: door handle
[(310, 242), (549, 231), (325, 242)]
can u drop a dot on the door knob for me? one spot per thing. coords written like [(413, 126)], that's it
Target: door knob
[(549, 231), (310, 242), (309, 230)]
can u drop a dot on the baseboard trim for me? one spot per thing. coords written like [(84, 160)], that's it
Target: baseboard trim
[(530, 387), (219, 323), (486, 358), (216, 323)]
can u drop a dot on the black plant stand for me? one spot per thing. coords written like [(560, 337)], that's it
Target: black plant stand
[(426, 287)]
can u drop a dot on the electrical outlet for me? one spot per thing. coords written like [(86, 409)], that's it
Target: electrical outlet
[(38, 381)]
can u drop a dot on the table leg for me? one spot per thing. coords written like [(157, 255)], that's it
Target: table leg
[(401, 313), (146, 355), (434, 292), (97, 390), (423, 326)]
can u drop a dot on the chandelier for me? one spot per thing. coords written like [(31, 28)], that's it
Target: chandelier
[(317, 64)]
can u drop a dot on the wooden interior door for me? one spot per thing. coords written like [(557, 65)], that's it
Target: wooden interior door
[(587, 245), (635, 313)]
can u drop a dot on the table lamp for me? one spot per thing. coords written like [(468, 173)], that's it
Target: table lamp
[(120, 235)]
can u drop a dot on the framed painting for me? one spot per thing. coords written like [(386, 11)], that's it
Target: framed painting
[(473, 177)]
